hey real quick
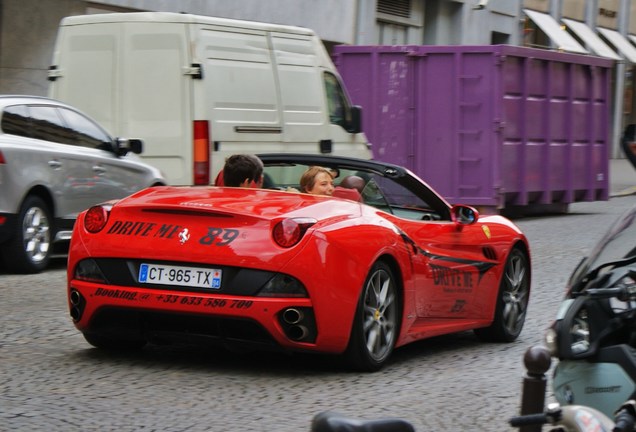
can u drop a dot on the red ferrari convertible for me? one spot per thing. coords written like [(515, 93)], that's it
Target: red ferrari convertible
[(357, 274)]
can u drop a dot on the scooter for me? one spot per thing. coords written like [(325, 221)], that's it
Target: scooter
[(594, 334), (580, 418), (571, 418)]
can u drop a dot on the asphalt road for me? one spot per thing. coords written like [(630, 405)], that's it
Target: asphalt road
[(51, 379)]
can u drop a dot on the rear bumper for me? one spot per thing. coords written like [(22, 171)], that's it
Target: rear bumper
[(160, 316)]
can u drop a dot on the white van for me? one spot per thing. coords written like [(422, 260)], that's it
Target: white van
[(197, 89)]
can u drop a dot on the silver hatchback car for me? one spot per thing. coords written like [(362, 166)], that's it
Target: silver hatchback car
[(55, 162)]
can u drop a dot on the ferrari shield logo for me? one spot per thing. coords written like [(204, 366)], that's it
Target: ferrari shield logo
[(486, 230)]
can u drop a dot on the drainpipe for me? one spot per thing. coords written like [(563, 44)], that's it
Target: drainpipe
[(617, 127), (364, 24)]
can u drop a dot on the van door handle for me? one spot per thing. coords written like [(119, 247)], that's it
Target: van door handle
[(55, 164)]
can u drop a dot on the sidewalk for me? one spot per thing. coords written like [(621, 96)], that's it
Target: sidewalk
[(622, 178)]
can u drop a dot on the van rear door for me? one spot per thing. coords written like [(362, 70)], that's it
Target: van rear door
[(134, 78), (301, 92), (240, 92), (85, 70), (157, 74), (316, 110)]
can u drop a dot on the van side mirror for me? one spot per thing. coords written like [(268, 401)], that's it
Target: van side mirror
[(355, 124)]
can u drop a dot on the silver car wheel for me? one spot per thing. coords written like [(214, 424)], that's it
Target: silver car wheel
[(380, 315), (515, 293), (36, 234)]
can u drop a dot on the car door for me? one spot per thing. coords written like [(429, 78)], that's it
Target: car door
[(113, 176), (447, 258), (72, 181), (453, 275)]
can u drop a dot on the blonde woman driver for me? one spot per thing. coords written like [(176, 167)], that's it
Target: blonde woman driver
[(317, 181)]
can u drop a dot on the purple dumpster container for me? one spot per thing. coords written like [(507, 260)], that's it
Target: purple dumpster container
[(497, 126)]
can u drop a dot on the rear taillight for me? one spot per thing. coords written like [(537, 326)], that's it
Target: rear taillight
[(95, 219), (201, 152), (88, 270), (2, 160), (288, 232)]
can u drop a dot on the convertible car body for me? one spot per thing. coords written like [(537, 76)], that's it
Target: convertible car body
[(390, 263)]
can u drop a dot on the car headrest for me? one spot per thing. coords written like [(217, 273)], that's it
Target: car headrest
[(350, 194), (353, 182)]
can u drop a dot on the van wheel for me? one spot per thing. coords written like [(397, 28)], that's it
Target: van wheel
[(375, 326), (29, 250)]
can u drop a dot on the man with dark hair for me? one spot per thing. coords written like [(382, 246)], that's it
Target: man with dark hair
[(243, 170)]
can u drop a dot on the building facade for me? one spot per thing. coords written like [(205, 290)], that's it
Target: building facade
[(604, 28)]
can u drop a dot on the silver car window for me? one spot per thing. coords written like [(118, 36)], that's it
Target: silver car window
[(16, 121), (87, 133), (48, 125)]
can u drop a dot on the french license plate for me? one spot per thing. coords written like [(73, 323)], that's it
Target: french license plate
[(178, 275)]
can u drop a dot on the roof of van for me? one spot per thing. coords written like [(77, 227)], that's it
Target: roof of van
[(167, 17)]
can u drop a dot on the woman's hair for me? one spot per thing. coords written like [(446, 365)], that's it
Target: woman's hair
[(308, 179)]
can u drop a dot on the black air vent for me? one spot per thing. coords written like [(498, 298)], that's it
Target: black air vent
[(489, 253), (399, 8)]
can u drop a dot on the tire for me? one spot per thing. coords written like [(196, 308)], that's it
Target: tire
[(375, 325), (512, 301), (114, 344), (30, 249)]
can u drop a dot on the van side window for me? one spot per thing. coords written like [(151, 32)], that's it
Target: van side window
[(336, 101), (16, 121), (87, 133), (47, 125)]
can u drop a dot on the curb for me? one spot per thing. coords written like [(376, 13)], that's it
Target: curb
[(624, 192)]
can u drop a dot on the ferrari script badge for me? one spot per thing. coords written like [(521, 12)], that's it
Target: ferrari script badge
[(184, 236)]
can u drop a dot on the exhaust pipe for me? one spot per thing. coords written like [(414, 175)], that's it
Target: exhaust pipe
[(75, 297), (76, 314), (297, 332), (292, 316), (77, 305), (299, 324)]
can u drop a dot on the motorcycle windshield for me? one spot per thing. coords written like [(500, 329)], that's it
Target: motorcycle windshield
[(618, 243)]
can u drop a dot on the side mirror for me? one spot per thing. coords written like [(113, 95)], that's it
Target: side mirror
[(355, 123), (136, 146), (124, 145), (464, 215), (630, 132), (329, 421), (628, 143)]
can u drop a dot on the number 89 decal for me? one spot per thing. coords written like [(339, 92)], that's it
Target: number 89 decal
[(219, 237)]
